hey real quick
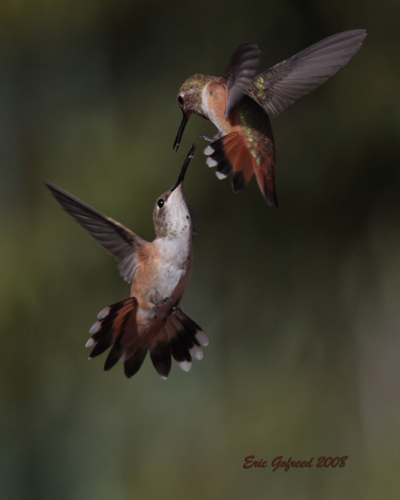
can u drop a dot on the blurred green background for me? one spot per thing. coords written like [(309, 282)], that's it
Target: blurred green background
[(301, 304)]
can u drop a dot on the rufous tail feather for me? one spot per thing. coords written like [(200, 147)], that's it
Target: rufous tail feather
[(177, 336), (231, 154)]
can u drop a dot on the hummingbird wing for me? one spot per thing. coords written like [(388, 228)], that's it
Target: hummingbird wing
[(277, 88), (240, 72), (113, 236)]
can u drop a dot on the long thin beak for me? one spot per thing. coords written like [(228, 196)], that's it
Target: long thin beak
[(182, 126), (184, 167)]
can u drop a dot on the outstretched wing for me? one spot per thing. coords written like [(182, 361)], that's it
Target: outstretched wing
[(284, 83), (240, 73), (113, 236)]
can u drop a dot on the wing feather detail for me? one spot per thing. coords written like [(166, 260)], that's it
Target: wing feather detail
[(113, 236), (284, 83), (240, 72)]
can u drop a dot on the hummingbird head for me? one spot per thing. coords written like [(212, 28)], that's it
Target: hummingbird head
[(190, 101), (171, 212)]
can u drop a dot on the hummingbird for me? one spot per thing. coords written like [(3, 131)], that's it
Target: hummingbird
[(150, 319), (241, 105)]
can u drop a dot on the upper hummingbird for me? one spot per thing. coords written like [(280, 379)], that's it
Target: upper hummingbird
[(241, 104), (159, 272)]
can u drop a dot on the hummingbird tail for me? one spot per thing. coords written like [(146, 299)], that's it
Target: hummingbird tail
[(233, 153), (180, 337), (116, 327)]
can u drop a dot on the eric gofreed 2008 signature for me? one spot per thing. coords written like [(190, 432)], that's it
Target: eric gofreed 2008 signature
[(287, 464)]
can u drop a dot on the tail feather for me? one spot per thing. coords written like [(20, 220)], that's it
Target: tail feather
[(160, 354), (134, 363), (232, 153), (178, 336), (114, 355), (101, 346), (109, 327)]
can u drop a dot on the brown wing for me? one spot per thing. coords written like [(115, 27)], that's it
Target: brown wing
[(113, 236), (284, 83), (240, 73)]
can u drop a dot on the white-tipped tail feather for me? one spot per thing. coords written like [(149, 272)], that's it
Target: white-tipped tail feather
[(103, 313), (185, 365), (196, 352), (211, 163), (202, 338), (178, 337), (95, 327)]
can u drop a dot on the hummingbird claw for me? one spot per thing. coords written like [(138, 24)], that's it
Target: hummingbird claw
[(206, 138), (172, 310), (159, 303)]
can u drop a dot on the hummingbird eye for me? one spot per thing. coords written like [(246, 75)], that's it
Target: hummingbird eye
[(180, 100), (160, 203)]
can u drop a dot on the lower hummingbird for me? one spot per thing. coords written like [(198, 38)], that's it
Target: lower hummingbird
[(151, 318), (241, 104)]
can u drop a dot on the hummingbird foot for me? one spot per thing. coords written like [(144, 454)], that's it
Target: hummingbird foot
[(206, 138), (212, 139), (160, 303), (173, 309)]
